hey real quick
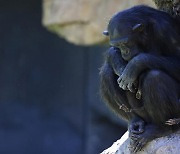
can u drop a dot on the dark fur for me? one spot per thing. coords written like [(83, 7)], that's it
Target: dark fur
[(156, 67)]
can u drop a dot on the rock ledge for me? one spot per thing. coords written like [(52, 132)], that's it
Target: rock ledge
[(165, 145)]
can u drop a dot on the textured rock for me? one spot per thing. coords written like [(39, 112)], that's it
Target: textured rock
[(82, 21), (165, 145), (165, 5)]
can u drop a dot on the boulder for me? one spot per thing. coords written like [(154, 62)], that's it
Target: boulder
[(165, 145), (83, 21)]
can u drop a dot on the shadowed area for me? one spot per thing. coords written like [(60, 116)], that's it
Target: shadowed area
[(49, 102)]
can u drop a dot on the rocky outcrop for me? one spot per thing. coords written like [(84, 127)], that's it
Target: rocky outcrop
[(82, 21), (165, 145)]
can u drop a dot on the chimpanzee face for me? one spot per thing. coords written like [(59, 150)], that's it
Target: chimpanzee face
[(124, 42), (125, 39)]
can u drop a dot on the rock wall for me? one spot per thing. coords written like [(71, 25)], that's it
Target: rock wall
[(82, 21)]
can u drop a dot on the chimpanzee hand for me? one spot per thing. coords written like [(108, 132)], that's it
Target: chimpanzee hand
[(127, 81), (174, 121)]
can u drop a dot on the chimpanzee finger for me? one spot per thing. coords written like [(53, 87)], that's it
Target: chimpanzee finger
[(135, 136), (124, 87), (121, 84), (170, 122), (130, 87), (119, 79), (138, 148), (139, 145), (134, 139)]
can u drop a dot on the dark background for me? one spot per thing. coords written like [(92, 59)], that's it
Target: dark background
[(49, 100)]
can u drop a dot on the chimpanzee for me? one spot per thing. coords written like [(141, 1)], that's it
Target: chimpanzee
[(141, 75)]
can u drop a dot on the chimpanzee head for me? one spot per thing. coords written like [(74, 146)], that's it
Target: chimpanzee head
[(126, 34), (141, 29)]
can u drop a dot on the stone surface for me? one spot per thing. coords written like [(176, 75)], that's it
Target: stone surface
[(164, 5), (82, 21), (165, 145)]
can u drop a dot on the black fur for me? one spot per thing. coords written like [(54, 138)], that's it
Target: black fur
[(151, 69)]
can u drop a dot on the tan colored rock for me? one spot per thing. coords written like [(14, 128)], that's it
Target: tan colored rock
[(82, 21), (165, 145)]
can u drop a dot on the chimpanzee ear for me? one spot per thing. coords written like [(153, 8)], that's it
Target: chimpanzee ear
[(106, 33), (138, 28)]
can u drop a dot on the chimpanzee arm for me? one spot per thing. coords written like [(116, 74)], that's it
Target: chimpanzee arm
[(144, 61), (168, 64), (115, 59)]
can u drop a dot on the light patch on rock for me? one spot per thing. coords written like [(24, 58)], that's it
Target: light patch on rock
[(165, 145), (83, 21)]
